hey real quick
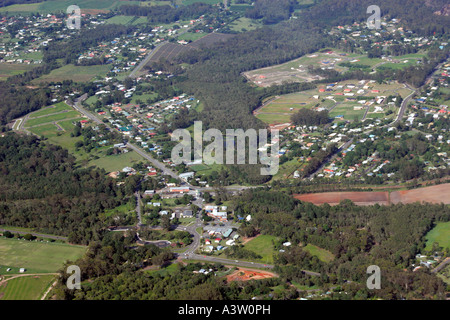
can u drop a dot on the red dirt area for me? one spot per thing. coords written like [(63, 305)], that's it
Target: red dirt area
[(333, 198), (248, 274), (433, 194)]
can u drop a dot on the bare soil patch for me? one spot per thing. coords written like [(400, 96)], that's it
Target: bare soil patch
[(248, 274), (433, 194), (333, 198)]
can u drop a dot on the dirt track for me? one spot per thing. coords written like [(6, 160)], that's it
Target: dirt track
[(433, 194)]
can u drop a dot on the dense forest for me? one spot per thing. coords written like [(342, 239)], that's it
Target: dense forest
[(42, 188), (18, 102)]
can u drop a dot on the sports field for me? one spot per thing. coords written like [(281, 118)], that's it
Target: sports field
[(36, 257), (25, 288)]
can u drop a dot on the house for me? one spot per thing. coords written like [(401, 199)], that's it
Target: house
[(187, 214), (187, 175), (22, 270), (149, 192)]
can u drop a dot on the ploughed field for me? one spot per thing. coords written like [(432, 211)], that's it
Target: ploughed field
[(433, 194)]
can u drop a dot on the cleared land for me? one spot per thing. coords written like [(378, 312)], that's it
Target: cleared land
[(431, 194), (345, 100), (242, 274), (9, 69), (75, 73), (322, 254), (297, 70), (263, 246), (172, 50), (37, 257), (117, 162)]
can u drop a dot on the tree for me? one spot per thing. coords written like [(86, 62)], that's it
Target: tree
[(8, 234), (165, 222)]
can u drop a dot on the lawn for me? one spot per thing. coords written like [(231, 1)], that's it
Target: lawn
[(38, 257), (441, 234), (263, 246), (117, 162), (322, 254), (26, 288)]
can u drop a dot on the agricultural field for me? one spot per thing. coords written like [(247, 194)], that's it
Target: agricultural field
[(75, 73), (36, 257), (322, 254), (87, 6), (26, 288), (440, 234)]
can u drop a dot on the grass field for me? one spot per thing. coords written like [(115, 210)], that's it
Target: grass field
[(89, 6), (322, 254), (441, 234), (263, 246), (52, 109), (9, 69), (38, 257), (75, 73), (117, 162), (52, 118), (25, 288), (191, 36), (243, 24)]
